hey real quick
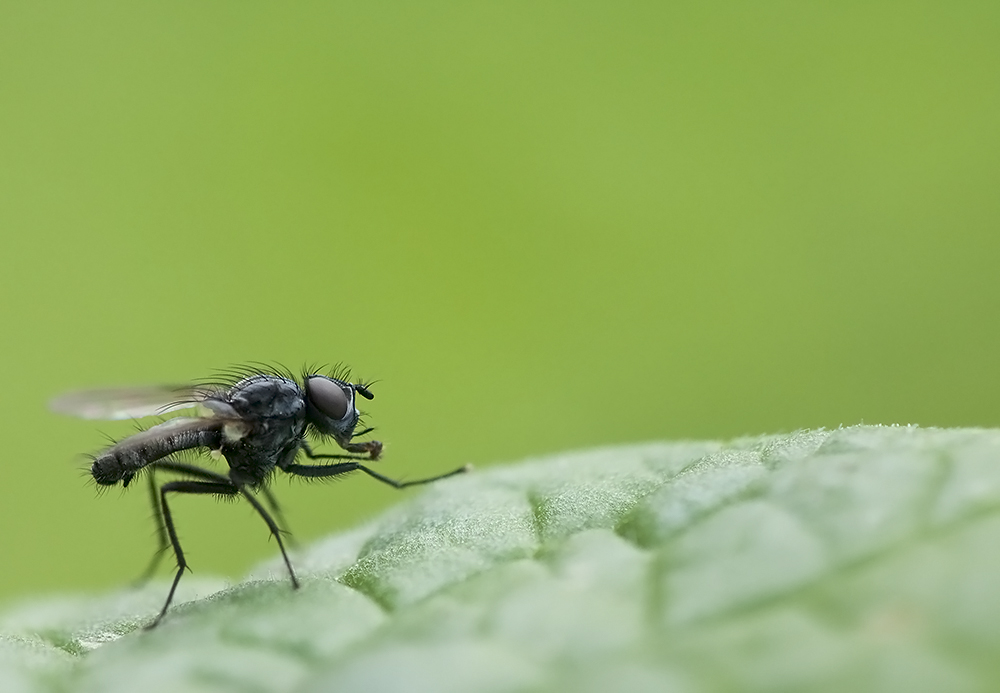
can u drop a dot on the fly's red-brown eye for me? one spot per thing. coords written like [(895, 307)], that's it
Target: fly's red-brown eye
[(328, 397)]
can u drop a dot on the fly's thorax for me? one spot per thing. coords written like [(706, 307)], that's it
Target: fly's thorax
[(260, 417), (267, 396)]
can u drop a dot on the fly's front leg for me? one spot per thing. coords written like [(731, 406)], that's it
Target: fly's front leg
[(371, 448), (368, 450)]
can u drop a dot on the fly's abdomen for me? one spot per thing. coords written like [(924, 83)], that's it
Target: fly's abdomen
[(123, 460)]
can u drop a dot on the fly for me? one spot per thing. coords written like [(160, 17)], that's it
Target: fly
[(257, 420)]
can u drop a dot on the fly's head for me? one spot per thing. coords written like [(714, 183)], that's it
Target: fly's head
[(331, 410)]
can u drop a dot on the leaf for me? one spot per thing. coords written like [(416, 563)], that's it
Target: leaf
[(862, 559)]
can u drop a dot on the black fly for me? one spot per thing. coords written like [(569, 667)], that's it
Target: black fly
[(258, 423)]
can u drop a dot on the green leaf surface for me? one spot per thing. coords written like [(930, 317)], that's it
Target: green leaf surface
[(862, 559)]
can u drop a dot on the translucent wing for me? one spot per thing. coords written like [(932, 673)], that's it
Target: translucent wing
[(128, 402)]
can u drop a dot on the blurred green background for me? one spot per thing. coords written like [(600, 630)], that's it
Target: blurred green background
[(540, 226)]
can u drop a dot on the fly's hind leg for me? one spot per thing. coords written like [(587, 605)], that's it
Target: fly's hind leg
[(212, 484), (192, 487), (154, 501), (161, 531)]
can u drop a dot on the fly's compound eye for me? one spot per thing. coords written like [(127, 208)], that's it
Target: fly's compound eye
[(328, 397)]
